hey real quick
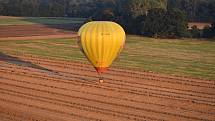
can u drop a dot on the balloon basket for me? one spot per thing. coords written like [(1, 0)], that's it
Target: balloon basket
[(101, 80)]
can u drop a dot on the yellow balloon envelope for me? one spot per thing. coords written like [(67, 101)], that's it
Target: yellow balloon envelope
[(101, 42)]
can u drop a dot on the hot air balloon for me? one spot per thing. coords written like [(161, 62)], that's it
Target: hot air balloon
[(101, 42)]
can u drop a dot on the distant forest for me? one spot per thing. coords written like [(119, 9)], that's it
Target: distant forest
[(196, 10), (155, 18)]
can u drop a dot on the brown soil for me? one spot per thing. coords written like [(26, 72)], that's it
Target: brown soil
[(20, 32), (34, 88), (8, 17)]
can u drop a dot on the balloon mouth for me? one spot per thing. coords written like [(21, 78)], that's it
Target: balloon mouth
[(101, 69)]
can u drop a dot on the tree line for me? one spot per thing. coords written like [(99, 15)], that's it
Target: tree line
[(195, 10), (157, 18)]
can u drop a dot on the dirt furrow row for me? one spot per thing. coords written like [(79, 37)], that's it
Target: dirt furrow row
[(119, 72), (142, 111), (67, 90), (162, 105), (101, 92), (127, 81), (18, 101), (122, 70), (75, 105), (7, 114), (144, 89), (111, 113)]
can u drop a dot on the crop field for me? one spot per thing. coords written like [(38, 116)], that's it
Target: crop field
[(49, 79), (38, 20), (176, 57), (18, 28)]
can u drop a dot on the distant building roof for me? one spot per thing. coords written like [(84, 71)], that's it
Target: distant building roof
[(198, 25)]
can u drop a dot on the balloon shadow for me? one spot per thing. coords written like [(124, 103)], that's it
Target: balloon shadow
[(19, 62), (47, 22)]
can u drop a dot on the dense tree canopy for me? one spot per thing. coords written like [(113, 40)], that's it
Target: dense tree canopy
[(196, 10), (209, 32), (145, 17), (141, 7)]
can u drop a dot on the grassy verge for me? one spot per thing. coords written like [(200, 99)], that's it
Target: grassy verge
[(39, 20), (194, 58)]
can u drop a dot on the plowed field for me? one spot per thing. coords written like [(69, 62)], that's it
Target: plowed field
[(14, 32), (40, 89), (37, 88)]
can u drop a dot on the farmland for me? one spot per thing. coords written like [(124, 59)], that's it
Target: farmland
[(38, 20), (49, 79), (177, 57)]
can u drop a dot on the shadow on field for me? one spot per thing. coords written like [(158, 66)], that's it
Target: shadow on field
[(19, 62), (55, 23)]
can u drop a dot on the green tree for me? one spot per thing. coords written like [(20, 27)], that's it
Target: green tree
[(104, 14), (29, 8), (154, 23), (56, 8), (137, 8), (176, 23), (212, 10), (104, 10), (161, 23), (209, 31), (44, 8), (195, 32), (196, 10)]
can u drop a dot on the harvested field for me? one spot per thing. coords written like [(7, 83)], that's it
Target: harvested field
[(8, 20), (38, 88), (43, 79), (36, 30), (8, 17), (28, 28)]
